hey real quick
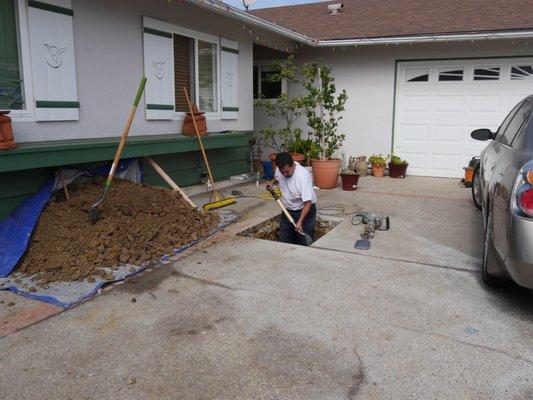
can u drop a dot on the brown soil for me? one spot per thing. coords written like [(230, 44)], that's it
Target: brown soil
[(270, 230), (138, 224)]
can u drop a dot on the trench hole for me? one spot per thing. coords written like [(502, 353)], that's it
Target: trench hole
[(268, 230)]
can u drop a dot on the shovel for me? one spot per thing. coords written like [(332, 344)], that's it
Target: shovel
[(94, 214), (308, 240)]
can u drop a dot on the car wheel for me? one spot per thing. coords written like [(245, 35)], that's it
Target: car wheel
[(476, 189), (489, 257)]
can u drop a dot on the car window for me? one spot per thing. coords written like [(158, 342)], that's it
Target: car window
[(506, 121), (521, 137), (518, 120)]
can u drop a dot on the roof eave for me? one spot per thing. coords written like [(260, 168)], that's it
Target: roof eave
[(244, 17)]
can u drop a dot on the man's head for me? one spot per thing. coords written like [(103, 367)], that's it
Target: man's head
[(285, 164)]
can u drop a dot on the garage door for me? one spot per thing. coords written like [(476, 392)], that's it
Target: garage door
[(438, 104)]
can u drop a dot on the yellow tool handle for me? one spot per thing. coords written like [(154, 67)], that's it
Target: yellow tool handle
[(201, 143), (169, 180), (287, 214)]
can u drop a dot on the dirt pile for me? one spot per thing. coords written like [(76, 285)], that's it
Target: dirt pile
[(138, 224)]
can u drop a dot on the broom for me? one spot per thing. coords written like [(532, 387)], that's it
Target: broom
[(220, 201)]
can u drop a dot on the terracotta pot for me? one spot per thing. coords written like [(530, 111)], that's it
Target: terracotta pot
[(299, 158), (349, 181), (397, 170), (378, 171), (326, 173), (6, 132)]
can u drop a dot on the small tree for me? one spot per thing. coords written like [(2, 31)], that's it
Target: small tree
[(323, 107), (285, 108)]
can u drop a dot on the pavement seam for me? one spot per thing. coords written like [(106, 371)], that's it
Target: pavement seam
[(398, 259), (479, 346), (412, 196)]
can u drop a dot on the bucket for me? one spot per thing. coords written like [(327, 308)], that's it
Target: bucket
[(267, 167), (349, 182)]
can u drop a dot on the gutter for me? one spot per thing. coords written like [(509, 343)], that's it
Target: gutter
[(244, 17), (425, 39)]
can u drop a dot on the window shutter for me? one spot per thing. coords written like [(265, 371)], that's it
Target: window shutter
[(53, 60), (159, 70), (229, 69)]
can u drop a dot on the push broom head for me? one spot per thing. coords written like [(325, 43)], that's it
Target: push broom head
[(219, 204)]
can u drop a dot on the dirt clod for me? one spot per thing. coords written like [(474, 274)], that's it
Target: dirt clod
[(11, 304), (133, 300), (132, 380), (138, 224)]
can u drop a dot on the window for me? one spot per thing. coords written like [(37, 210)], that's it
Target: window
[(522, 73), (507, 121), (487, 73), (520, 117), (207, 76), (447, 74), (183, 71), (416, 74), (196, 68), (263, 87), (12, 96)]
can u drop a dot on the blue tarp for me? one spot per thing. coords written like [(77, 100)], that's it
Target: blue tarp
[(15, 230)]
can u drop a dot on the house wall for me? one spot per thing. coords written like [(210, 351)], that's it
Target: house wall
[(368, 75), (108, 42)]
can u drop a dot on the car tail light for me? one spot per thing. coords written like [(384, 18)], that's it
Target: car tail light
[(523, 191), (528, 175), (526, 201)]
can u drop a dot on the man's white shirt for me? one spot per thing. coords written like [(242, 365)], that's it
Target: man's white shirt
[(297, 189)]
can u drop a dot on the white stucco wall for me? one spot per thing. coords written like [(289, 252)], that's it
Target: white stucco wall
[(109, 63), (367, 74)]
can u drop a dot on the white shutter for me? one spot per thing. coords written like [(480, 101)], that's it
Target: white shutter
[(53, 61), (159, 71), (229, 72)]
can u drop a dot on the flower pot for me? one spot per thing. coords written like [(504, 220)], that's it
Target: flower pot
[(362, 168), (326, 173), (6, 132), (349, 181), (299, 158), (378, 170), (397, 170)]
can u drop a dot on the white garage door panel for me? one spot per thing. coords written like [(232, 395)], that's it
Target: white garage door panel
[(434, 118)]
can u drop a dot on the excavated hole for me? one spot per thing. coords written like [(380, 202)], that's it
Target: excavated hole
[(268, 230)]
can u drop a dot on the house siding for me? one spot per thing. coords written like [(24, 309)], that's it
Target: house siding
[(368, 75)]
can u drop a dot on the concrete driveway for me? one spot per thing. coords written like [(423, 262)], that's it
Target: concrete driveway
[(241, 318)]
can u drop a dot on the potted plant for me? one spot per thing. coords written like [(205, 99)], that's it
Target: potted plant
[(378, 163), (397, 167), (323, 107), (284, 109), (349, 179)]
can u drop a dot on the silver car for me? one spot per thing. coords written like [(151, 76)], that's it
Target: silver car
[(503, 188)]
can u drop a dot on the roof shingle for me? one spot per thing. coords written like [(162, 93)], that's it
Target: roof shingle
[(390, 18)]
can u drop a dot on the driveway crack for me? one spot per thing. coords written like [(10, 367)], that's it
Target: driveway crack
[(479, 346)]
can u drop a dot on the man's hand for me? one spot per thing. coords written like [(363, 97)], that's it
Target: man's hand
[(299, 226)]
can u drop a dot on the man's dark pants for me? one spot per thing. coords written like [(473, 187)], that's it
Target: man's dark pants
[(287, 232)]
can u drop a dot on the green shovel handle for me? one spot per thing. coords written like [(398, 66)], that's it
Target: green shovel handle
[(140, 91)]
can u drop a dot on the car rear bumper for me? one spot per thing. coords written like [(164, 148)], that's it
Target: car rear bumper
[(519, 264)]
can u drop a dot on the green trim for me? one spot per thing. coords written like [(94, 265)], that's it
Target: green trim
[(160, 107), (229, 50), (50, 7), (230, 108), (158, 33), (30, 155), (394, 105), (56, 104)]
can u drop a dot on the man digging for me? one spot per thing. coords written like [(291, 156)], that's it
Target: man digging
[(298, 197)]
